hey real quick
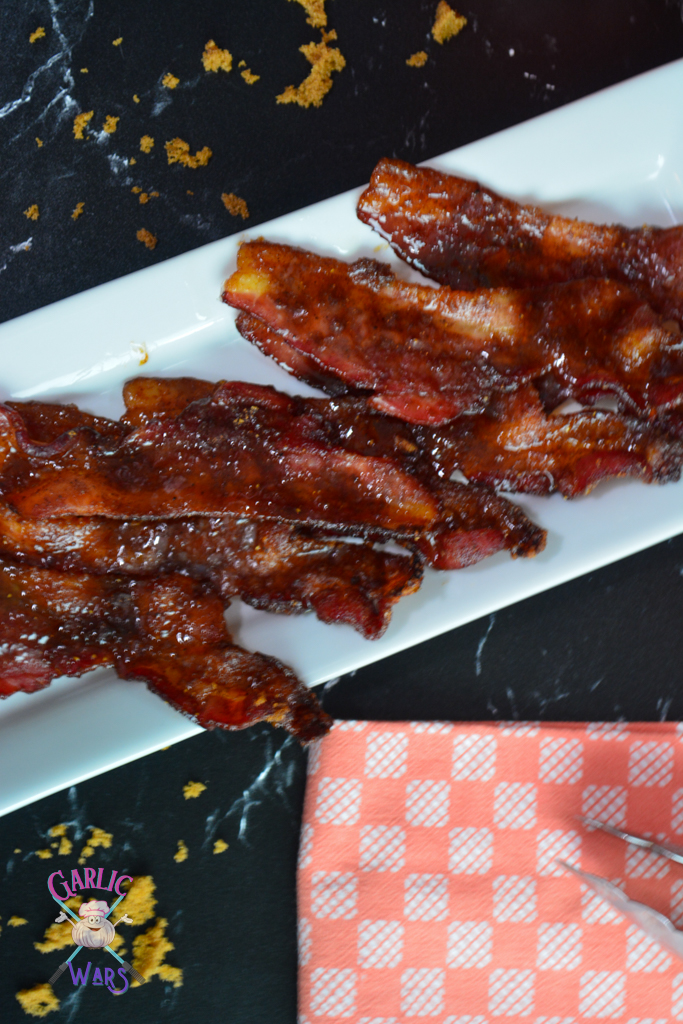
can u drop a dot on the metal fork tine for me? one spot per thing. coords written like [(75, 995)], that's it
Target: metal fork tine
[(671, 852)]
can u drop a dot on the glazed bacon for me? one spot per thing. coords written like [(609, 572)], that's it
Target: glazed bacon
[(468, 237), (272, 566), (52, 481), (516, 446), (428, 354), (169, 632)]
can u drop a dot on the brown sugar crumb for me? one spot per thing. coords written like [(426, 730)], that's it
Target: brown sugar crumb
[(191, 790), (170, 81), (314, 88), (140, 901), (98, 837), (182, 852), (38, 1001), (149, 951), (17, 850), (447, 23), (59, 831), (215, 59), (16, 922), (315, 9), (150, 240), (84, 71), (136, 98), (136, 189), (117, 42), (57, 936), (190, 192), (220, 846), (234, 205), (132, 161), (178, 152), (39, 141), (146, 143), (418, 60), (80, 121), (248, 77), (110, 124), (144, 197), (43, 854), (38, 34)]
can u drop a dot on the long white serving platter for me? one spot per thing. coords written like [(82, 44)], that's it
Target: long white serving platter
[(617, 155)]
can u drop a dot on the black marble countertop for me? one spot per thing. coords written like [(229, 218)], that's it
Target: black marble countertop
[(605, 646)]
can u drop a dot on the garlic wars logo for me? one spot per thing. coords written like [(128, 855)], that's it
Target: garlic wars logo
[(92, 928)]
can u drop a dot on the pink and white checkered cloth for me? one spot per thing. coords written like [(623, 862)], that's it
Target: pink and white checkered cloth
[(428, 887)]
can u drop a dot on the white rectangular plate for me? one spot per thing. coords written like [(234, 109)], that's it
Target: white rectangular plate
[(617, 155)]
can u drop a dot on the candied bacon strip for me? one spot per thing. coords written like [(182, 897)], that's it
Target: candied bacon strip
[(272, 566), (513, 444), (428, 354), (473, 522), (517, 446), (210, 460), (467, 237), (171, 633), (40, 481)]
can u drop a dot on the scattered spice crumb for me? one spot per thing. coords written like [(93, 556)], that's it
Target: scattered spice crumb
[(215, 59), (146, 143), (315, 9), (191, 790), (150, 240), (140, 901), (17, 850), (16, 922), (39, 141), (38, 1001), (136, 98), (178, 152), (220, 846), (417, 60), (447, 23), (190, 192), (234, 205), (132, 161), (80, 121), (149, 951), (170, 81), (110, 124), (84, 71), (136, 189), (324, 61), (38, 34), (144, 197), (98, 837), (181, 854), (117, 42), (59, 831), (248, 77), (44, 854)]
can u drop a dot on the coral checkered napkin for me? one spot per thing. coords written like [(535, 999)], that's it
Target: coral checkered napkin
[(428, 887)]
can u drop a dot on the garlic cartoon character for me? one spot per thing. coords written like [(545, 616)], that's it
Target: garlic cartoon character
[(93, 930)]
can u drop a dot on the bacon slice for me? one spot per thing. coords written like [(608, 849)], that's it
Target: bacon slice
[(468, 237), (428, 354), (463, 525), (171, 633), (514, 444), (271, 566), (210, 460)]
